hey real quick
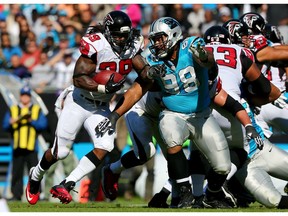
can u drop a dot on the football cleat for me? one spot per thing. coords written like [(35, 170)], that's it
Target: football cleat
[(62, 190), (109, 183), (215, 200), (158, 201), (33, 189), (186, 197)]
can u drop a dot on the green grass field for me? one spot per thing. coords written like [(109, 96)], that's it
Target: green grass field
[(119, 205)]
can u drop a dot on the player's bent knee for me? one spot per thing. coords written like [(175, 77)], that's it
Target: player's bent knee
[(63, 152), (150, 151), (269, 199), (223, 169), (64, 147)]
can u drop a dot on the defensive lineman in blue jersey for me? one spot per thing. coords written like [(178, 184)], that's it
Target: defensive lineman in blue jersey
[(181, 68), (184, 86)]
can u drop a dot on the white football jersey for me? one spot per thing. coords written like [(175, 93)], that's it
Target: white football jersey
[(228, 59), (96, 47)]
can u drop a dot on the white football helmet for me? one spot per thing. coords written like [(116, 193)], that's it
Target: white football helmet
[(169, 31)]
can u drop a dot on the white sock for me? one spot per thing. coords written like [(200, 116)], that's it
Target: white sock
[(232, 172), (117, 167), (168, 185), (38, 173), (84, 167)]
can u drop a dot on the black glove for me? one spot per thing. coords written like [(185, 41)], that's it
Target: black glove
[(156, 71), (112, 86), (251, 133), (107, 124), (199, 52), (286, 85)]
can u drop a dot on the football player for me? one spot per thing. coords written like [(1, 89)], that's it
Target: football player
[(254, 175), (114, 46), (185, 95)]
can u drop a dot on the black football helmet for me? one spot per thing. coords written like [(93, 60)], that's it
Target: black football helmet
[(217, 35), (254, 21), (236, 30), (117, 30), (273, 34)]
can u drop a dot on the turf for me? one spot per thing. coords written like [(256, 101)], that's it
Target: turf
[(119, 205)]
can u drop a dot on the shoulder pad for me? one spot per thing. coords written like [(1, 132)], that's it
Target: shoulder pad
[(257, 42)]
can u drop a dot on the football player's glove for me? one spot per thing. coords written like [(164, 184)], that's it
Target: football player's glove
[(108, 124)]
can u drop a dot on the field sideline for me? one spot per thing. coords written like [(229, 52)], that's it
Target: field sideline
[(121, 205)]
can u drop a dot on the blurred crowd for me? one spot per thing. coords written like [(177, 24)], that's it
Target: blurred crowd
[(39, 42)]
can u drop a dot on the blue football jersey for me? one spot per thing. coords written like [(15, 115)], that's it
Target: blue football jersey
[(185, 85)]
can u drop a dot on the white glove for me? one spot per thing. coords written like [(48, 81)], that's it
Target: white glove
[(281, 102), (199, 52)]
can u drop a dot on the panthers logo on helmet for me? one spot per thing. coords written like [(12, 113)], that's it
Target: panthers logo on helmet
[(171, 23), (108, 20)]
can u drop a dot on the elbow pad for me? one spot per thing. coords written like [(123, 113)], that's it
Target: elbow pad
[(232, 105), (261, 86)]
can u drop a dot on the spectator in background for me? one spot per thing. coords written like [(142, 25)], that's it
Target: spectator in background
[(31, 55), (3, 24), (209, 21), (50, 47), (12, 24), (25, 121), (18, 69), (50, 31), (86, 18), (224, 15), (64, 20), (71, 35), (64, 71), (100, 11), (23, 34), (3, 63), (38, 28), (133, 11), (177, 12), (7, 49), (196, 18), (42, 73), (152, 12)]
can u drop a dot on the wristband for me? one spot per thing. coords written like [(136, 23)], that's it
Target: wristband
[(247, 125), (101, 88)]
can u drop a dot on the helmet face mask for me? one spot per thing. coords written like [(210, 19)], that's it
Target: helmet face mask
[(160, 45), (217, 35), (254, 21), (118, 31), (164, 35), (237, 30)]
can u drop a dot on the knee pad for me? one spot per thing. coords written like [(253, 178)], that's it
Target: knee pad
[(223, 169), (144, 152), (61, 148), (150, 150)]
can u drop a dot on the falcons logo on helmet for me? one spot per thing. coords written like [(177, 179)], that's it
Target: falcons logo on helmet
[(232, 26), (249, 19), (108, 20)]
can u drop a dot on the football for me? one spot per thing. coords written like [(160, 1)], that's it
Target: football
[(103, 76)]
